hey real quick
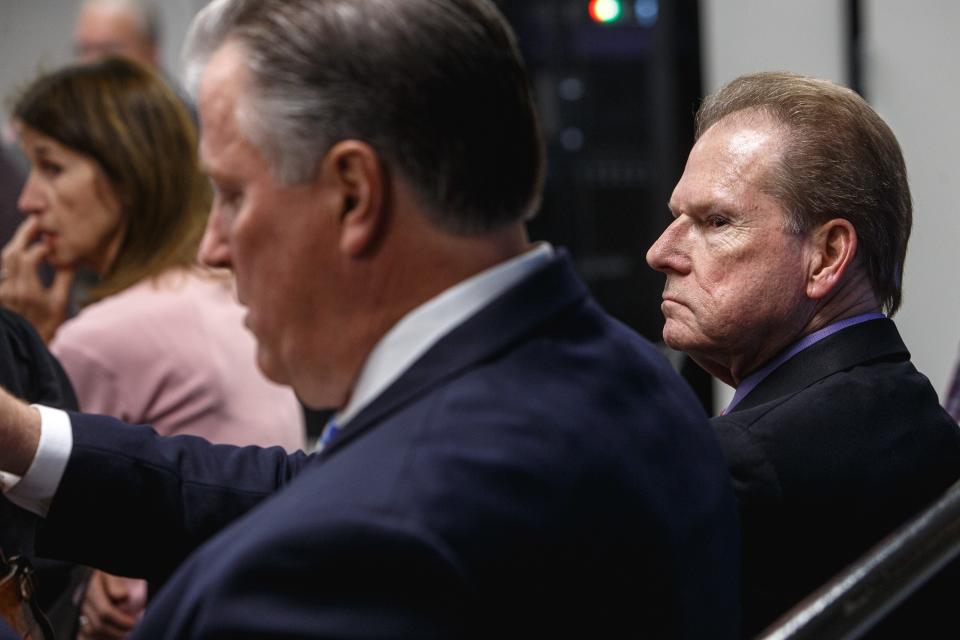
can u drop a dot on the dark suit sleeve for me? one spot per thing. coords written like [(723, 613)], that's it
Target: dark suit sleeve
[(30, 372), (365, 580), (175, 491)]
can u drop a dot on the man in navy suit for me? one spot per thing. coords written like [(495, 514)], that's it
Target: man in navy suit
[(505, 459), (791, 225)]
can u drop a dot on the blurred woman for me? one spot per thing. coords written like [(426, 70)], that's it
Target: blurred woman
[(114, 187)]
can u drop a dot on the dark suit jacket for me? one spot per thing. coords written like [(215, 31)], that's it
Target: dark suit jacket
[(541, 469), (832, 451), (28, 371)]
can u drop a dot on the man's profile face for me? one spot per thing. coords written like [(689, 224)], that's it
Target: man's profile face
[(735, 282), (280, 240)]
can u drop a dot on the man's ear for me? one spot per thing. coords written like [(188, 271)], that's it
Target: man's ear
[(834, 249), (357, 177)]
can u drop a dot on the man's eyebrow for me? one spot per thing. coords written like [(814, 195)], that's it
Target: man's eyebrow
[(706, 207), (722, 210)]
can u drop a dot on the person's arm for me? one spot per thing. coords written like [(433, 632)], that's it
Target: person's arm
[(177, 491), (19, 432), (125, 488), (54, 442), (354, 574)]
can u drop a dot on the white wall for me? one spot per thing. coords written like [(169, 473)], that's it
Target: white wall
[(741, 36), (910, 79), (35, 36), (176, 16)]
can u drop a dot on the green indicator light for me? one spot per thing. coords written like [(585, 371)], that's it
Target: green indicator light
[(605, 11)]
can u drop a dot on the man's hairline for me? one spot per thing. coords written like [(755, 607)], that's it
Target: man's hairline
[(245, 124), (767, 181)]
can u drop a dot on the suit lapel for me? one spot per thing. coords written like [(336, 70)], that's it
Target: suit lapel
[(861, 343), (507, 319)]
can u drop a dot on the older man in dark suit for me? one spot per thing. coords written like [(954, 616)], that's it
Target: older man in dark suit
[(505, 458), (790, 231)]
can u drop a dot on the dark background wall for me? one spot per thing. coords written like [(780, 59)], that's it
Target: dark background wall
[(617, 102)]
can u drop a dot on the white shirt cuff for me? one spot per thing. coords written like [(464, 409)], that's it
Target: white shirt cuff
[(35, 490)]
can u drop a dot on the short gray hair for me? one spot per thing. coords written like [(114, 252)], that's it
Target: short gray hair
[(437, 87)]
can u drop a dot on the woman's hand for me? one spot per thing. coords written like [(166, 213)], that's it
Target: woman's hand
[(21, 289)]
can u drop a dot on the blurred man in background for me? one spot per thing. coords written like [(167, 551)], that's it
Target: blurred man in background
[(127, 28)]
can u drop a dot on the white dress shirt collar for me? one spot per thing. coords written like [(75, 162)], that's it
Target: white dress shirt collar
[(420, 329)]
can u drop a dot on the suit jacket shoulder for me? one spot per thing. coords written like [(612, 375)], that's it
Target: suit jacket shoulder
[(853, 404), (831, 452)]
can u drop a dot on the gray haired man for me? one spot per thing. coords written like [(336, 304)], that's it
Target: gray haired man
[(504, 459)]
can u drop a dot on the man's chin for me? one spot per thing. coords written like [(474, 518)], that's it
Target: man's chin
[(269, 367), (675, 336)]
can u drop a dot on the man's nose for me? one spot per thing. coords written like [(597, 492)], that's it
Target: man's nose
[(667, 253), (214, 247)]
